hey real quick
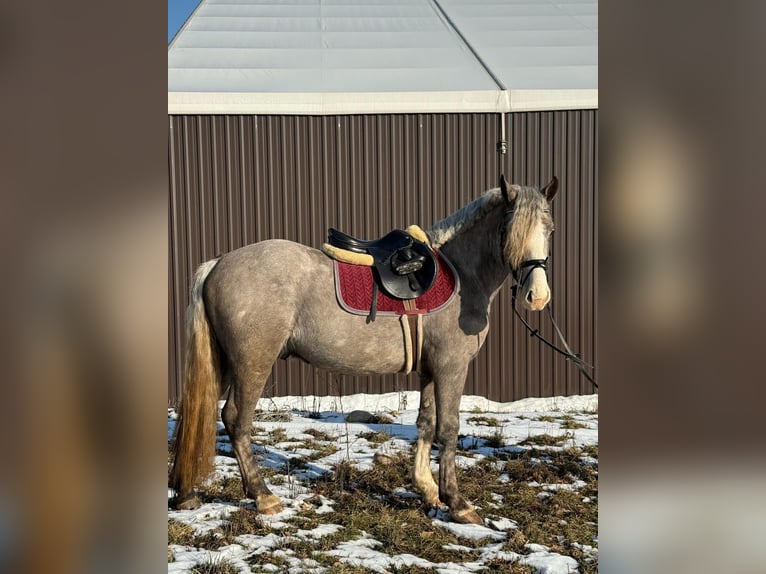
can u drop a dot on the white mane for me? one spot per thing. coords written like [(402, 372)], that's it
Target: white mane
[(464, 218)]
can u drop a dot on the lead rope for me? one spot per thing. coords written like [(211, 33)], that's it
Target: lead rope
[(567, 352)]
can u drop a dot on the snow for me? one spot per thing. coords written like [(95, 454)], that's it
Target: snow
[(470, 531), (513, 422), (409, 400)]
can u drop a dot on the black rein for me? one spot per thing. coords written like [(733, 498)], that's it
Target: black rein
[(533, 264)]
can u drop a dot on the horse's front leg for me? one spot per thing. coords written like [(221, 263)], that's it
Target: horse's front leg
[(421, 475), (448, 390)]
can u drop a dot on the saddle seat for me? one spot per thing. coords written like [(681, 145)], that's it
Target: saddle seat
[(393, 240), (403, 267)]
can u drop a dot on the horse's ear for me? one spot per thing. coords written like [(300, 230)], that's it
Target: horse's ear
[(509, 192), (549, 191)]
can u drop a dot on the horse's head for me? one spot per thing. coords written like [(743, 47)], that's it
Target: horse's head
[(527, 239)]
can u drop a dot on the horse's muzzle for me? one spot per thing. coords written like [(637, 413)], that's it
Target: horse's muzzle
[(536, 303)]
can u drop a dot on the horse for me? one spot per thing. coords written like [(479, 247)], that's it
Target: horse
[(276, 298)]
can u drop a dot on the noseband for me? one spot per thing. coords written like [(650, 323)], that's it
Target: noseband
[(530, 265)]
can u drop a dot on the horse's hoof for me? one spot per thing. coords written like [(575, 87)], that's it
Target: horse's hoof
[(430, 496), (466, 516), (189, 502), (269, 504)]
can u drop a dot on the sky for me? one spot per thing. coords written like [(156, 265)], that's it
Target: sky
[(178, 12)]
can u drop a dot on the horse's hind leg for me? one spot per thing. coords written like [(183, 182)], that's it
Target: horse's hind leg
[(421, 475), (237, 415)]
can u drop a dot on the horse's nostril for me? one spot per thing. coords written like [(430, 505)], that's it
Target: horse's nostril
[(529, 296)]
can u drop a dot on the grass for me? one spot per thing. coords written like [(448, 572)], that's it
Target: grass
[(228, 489), (568, 422), (321, 435), (546, 419), (215, 566), (591, 450), (374, 437), (273, 416), (180, 533), (544, 439), (364, 504), (557, 520), (484, 421), (278, 435), (244, 520), (495, 440)]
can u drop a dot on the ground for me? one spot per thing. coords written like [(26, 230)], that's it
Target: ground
[(530, 468)]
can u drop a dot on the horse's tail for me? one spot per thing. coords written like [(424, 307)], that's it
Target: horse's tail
[(194, 445)]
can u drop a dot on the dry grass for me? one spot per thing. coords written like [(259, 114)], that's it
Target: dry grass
[(227, 489), (568, 422), (180, 533), (278, 435), (374, 437), (544, 439), (556, 520), (273, 416), (321, 435), (484, 421), (365, 502), (591, 450), (495, 440), (245, 520), (215, 566), (546, 419)]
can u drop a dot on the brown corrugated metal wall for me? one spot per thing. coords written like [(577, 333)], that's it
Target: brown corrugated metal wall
[(235, 180)]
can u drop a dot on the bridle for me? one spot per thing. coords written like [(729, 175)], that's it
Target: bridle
[(531, 265)]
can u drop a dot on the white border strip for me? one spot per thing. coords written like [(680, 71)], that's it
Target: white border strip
[(348, 103)]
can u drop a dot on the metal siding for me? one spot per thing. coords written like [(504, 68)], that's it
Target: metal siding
[(236, 180)]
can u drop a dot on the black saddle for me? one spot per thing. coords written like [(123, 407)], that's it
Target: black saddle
[(404, 268)]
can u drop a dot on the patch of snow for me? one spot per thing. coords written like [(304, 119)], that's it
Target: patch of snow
[(470, 531), (576, 485), (550, 563), (319, 531), (402, 401), (502, 523)]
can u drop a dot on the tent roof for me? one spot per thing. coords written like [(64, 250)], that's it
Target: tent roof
[(378, 56)]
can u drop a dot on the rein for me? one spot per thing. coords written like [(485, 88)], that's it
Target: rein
[(533, 264)]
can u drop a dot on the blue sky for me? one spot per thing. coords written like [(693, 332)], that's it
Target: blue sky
[(178, 12)]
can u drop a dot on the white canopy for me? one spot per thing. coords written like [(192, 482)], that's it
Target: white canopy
[(384, 56)]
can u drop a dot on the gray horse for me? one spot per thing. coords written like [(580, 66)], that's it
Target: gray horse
[(276, 299)]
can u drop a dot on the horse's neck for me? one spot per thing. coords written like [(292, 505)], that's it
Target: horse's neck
[(476, 253)]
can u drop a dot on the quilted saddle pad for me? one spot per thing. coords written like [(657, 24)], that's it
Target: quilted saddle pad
[(353, 286)]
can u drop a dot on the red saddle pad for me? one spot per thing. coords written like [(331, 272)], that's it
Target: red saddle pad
[(353, 285)]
